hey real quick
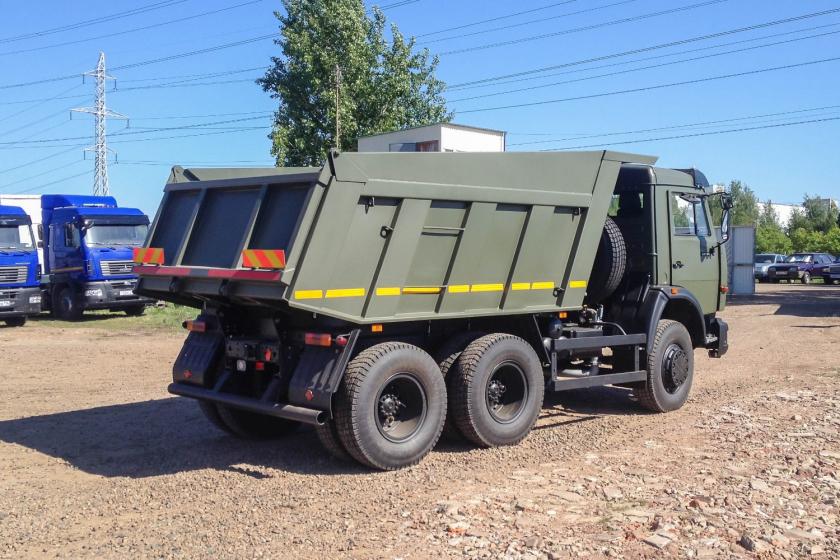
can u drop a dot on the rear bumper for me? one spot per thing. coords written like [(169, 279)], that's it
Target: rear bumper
[(113, 294), (278, 410), (19, 302), (719, 329)]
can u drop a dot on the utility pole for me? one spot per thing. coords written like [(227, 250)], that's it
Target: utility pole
[(101, 115), (337, 107)]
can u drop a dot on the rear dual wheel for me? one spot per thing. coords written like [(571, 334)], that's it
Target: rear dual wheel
[(246, 425)]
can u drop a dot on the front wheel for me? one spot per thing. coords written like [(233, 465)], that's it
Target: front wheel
[(66, 304), (806, 278), (135, 310), (390, 406), (670, 368)]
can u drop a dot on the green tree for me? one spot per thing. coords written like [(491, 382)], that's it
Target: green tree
[(384, 84), (744, 211), (769, 234), (817, 214)]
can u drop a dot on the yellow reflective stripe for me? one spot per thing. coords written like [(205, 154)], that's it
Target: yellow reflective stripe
[(346, 292), (542, 286), (458, 288), (422, 290), (577, 284), (517, 286), (308, 294), (387, 291), (487, 287)]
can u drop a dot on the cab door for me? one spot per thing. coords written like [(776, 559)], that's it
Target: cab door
[(693, 264)]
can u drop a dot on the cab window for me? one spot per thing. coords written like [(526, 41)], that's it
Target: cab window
[(688, 216)]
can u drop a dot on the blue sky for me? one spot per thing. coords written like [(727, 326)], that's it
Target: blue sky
[(780, 163)]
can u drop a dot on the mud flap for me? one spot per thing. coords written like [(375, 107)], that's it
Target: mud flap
[(198, 358), (318, 374)]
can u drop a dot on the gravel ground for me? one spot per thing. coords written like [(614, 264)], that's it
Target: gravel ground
[(97, 461)]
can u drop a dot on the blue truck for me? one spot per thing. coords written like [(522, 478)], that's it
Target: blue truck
[(88, 244), (20, 292)]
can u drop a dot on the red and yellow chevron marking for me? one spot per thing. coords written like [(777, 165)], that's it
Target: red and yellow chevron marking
[(272, 259), (148, 255)]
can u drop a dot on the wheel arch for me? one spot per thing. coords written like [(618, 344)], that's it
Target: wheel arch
[(682, 307)]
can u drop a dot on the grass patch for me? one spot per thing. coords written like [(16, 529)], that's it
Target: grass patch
[(168, 317)]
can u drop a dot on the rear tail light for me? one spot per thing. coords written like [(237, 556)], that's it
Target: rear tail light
[(195, 326), (724, 289), (317, 339), (341, 341)]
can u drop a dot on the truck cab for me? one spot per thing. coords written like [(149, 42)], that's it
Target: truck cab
[(88, 244), (20, 295)]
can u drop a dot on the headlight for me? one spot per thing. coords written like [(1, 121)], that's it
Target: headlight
[(93, 293), (825, 270)]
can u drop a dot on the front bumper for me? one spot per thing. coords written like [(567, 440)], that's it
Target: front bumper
[(19, 302), (793, 274), (720, 331), (113, 294)]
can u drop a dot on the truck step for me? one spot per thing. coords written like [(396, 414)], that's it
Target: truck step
[(567, 383)]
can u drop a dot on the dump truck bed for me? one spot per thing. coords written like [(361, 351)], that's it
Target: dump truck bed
[(373, 238)]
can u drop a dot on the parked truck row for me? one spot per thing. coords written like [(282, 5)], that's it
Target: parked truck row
[(67, 254), (383, 297)]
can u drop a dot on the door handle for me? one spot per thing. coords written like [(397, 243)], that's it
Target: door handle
[(678, 264)]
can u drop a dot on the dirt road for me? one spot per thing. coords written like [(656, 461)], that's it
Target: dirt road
[(96, 460)]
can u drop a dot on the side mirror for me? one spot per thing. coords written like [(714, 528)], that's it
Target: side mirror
[(724, 226)]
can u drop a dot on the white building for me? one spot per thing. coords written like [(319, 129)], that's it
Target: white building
[(784, 212), (441, 137)]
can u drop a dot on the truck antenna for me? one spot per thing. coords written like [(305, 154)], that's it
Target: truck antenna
[(101, 114)]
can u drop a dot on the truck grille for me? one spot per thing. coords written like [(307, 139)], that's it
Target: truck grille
[(116, 268), (13, 274)]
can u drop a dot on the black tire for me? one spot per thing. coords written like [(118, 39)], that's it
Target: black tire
[(497, 390), (247, 425), (670, 368), (390, 406), (328, 436), (610, 264), (135, 310), (66, 304), (806, 278), (446, 356), (15, 321)]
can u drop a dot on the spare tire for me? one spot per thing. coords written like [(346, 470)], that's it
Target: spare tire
[(610, 264)]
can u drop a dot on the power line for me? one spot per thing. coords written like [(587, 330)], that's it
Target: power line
[(584, 28), (490, 20), (529, 22), (153, 139), (127, 31), (610, 74), (39, 160), (186, 77), (94, 21), (697, 134), (83, 173), (48, 171), (397, 4), (655, 87), (646, 49), (39, 103), (684, 125), (212, 115), (196, 163)]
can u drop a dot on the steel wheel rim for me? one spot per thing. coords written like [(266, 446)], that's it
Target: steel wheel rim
[(506, 392), (400, 408), (674, 367)]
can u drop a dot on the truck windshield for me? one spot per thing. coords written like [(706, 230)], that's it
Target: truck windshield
[(16, 237), (132, 235)]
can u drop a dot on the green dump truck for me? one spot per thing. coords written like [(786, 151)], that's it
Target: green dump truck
[(387, 298)]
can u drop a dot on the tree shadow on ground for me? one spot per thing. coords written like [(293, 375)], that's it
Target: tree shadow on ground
[(805, 301), (158, 437)]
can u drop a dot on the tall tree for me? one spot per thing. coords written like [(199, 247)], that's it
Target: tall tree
[(769, 235), (336, 61), (744, 211), (817, 214)]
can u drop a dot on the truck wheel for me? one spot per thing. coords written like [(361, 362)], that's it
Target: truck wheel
[(390, 406), (66, 305), (135, 310), (806, 278), (328, 436), (247, 425), (15, 321), (497, 390), (610, 264), (446, 356), (670, 368)]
